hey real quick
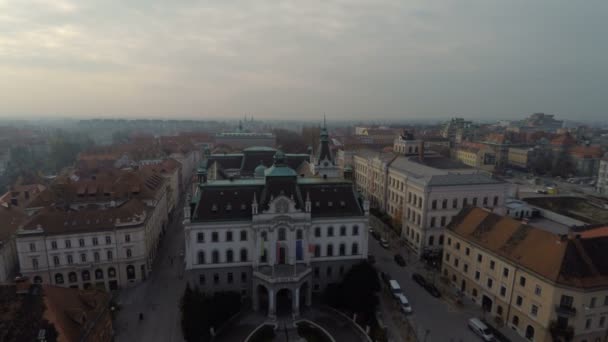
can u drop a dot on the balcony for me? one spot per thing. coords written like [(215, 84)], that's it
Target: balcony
[(282, 273), (561, 332), (565, 310)]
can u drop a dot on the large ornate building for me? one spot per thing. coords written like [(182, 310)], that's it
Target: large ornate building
[(275, 237)]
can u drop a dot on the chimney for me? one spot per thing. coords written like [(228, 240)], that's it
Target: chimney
[(421, 150)]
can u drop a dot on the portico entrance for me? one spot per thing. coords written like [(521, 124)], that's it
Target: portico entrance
[(284, 302)]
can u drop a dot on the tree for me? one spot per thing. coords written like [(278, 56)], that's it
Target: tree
[(357, 291)]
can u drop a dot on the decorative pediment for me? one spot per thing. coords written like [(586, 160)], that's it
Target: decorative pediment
[(281, 205)]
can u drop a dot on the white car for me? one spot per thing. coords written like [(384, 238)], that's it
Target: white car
[(404, 303)]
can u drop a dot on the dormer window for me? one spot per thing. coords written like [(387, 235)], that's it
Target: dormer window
[(214, 208), (317, 204), (330, 203), (243, 206), (228, 207)]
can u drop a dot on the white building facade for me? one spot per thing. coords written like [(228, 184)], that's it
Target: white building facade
[(275, 239)]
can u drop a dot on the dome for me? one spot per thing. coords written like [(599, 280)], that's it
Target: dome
[(259, 170)]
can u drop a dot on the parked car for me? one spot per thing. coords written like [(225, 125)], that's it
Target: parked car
[(404, 304), (371, 259), (480, 329), (395, 288), (399, 260), (384, 243), (432, 290), (417, 277)]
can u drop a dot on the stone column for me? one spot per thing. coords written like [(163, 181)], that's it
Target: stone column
[(271, 304), (296, 302), (309, 295)]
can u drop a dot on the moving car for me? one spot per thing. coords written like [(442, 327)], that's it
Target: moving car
[(404, 304), (399, 260), (480, 329), (384, 243)]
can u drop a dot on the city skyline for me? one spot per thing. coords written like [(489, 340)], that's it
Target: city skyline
[(349, 59)]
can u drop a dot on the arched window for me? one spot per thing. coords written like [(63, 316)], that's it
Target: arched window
[(86, 276), (229, 256), (98, 274), (215, 257), (243, 255), (282, 234), (342, 249), (299, 234), (72, 277), (201, 257), (130, 272), (330, 250), (58, 278), (530, 332), (112, 272), (355, 249)]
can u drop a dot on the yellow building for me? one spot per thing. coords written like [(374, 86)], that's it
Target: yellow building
[(476, 155), (547, 287)]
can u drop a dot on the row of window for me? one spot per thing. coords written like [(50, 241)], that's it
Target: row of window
[(86, 275), (215, 236), (215, 256), (81, 242), (343, 231), (465, 202), (83, 258), (216, 278), (329, 250), (282, 234)]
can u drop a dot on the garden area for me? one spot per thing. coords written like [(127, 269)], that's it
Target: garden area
[(201, 312)]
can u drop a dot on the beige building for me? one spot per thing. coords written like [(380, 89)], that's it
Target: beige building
[(476, 155), (520, 157), (546, 287), (424, 194)]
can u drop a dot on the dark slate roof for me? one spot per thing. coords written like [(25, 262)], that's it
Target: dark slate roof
[(247, 161), (231, 200)]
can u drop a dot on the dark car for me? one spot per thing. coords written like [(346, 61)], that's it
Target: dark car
[(432, 290), (399, 260), (417, 277)]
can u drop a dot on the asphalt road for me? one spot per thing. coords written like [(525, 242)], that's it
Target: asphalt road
[(158, 297)]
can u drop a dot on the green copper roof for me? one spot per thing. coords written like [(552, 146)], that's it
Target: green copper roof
[(259, 148), (280, 171)]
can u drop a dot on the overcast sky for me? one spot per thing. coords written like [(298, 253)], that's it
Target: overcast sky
[(300, 59)]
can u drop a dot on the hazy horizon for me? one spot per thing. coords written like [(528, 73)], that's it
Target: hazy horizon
[(351, 59)]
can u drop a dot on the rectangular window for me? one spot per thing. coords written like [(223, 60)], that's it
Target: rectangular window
[(477, 275), (534, 310), (467, 251), (447, 256), (490, 283), (81, 242), (505, 272), (201, 279), (228, 236), (432, 222), (243, 277), (35, 263), (492, 264), (95, 241), (522, 281), (466, 268), (214, 237), (434, 204), (602, 321), (503, 290), (442, 221), (592, 302), (108, 240), (537, 290), (479, 258), (127, 237), (32, 247), (588, 323), (83, 257), (355, 230), (200, 237), (456, 262), (68, 244), (519, 301), (56, 260), (230, 278), (53, 244), (70, 259), (216, 278)]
